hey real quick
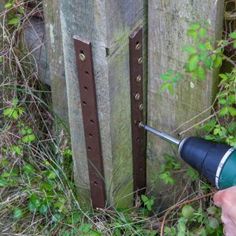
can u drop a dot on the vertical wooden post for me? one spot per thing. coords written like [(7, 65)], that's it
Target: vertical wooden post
[(55, 58), (168, 22), (107, 25)]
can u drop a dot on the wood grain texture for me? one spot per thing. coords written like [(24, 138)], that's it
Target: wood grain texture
[(107, 25), (55, 58), (167, 25)]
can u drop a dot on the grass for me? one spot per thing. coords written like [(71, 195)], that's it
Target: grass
[(37, 191)]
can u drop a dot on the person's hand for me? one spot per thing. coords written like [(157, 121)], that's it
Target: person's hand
[(226, 199)]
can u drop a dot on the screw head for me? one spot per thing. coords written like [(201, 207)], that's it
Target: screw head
[(137, 96), (138, 46), (139, 78), (140, 107), (140, 60), (82, 57)]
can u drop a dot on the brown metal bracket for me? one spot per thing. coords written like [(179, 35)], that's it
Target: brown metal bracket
[(88, 98), (137, 116)]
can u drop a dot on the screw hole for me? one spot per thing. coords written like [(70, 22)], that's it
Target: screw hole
[(86, 72), (81, 51), (95, 182), (85, 88), (92, 121), (90, 135), (84, 103), (89, 148)]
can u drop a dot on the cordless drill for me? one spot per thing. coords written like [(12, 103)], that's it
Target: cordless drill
[(215, 161)]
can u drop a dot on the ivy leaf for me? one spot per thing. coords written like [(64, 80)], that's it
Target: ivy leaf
[(224, 111), (202, 32), (28, 138), (14, 21), (193, 62), (8, 5), (166, 178), (218, 61), (232, 111), (233, 35), (201, 73), (190, 49)]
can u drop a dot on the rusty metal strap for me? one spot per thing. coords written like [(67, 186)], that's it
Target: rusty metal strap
[(138, 134), (88, 99)]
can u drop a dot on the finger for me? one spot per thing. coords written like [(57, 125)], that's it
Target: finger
[(218, 198)]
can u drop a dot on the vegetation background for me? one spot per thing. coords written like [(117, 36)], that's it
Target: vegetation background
[(37, 192)]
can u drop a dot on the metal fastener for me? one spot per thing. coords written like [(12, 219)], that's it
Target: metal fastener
[(140, 107), (82, 57), (138, 46), (140, 60), (139, 78), (137, 96)]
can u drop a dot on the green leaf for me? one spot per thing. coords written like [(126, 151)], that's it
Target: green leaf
[(8, 5), (190, 49), (193, 174), (3, 183), (8, 111), (43, 209), (193, 62), (52, 175), (218, 61), (201, 73), (17, 213), (194, 26), (224, 111), (17, 150), (28, 138), (232, 111), (233, 35), (28, 169), (202, 32), (14, 21), (223, 76), (192, 33), (144, 198), (187, 211), (167, 178)]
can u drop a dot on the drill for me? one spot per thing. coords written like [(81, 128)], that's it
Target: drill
[(215, 161)]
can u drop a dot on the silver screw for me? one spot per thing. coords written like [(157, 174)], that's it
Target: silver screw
[(140, 107), (139, 78), (138, 46), (137, 96), (140, 124), (82, 57), (140, 60)]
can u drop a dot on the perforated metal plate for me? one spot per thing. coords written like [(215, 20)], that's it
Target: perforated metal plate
[(87, 88), (137, 116)]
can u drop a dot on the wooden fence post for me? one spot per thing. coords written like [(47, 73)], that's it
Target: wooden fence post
[(55, 58), (168, 22), (107, 25)]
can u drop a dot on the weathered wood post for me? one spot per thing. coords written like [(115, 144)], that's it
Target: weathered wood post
[(107, 25), (168, 22), (55, 58)]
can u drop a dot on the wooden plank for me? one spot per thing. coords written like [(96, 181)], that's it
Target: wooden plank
[(168, 22), (55, 58)]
